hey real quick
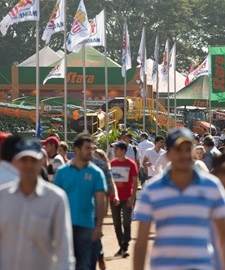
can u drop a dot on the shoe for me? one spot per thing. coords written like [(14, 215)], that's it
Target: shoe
[(125, 254), (119, 253), (101, 263)]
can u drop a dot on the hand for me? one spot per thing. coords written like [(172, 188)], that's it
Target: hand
[(148, 164), (116, 201), (130, 202), (96, 234)]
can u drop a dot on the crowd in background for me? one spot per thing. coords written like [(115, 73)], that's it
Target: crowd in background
[(53, 205)]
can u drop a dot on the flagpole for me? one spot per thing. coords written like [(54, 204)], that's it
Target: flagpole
[(37, 73), (125, 84), (125, 101), (210, 91), (157, 87), (168, 84), (175, 85), (84, 87), (65, 75), (106, 85), (144, 79)]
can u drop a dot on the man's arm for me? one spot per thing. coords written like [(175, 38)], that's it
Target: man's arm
[(220, 228), (141, 245), (146, 163), (100, 198), (62, 235), (131, 200)]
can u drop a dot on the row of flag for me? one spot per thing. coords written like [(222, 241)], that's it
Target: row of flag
[(92, 33)]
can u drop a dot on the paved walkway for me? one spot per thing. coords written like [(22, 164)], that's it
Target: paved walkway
[(110, 246)]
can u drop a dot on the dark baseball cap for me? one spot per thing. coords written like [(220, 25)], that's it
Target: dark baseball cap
[(28, 147), (120, 144), (177, 136)]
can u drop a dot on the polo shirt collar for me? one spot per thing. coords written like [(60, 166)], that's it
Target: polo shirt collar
[(39, 189), (70, 164), (167, 181)]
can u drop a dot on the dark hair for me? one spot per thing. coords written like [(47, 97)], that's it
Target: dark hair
[(9, 146), (209, 141), (159, 138), (144, 135), (81, 138), (218, 163)]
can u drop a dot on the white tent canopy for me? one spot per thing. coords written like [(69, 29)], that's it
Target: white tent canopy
[(46, 57), (180, 79)]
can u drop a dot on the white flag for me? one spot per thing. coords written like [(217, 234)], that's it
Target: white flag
[(164, 66), (201, 70), (155, 60), (97, 37), (25, 10), (126, 53), (80, 29), (141, 58), (172, 57), (56, 72), (56, 21)]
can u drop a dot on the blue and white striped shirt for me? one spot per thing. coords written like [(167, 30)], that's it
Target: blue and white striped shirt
[(182, 220)]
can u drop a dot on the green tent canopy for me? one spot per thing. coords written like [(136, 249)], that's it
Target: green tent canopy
[(93, 58), (196, 94)]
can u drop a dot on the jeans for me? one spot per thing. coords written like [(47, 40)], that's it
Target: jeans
[(95, 253), (82, 247), (142, 176), (123, 235)]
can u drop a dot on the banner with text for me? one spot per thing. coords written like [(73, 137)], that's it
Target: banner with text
[(217, 78)]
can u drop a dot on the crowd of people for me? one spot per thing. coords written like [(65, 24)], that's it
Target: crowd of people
[(52, 207)]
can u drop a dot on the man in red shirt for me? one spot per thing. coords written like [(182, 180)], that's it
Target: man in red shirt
[(125, 175)]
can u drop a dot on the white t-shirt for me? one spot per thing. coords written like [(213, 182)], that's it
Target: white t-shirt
[(152, 156)]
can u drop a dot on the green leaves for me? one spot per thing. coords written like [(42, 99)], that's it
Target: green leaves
[(193, 24)]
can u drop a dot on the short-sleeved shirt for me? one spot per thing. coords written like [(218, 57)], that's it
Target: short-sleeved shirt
[(152, 156), (182, 220), (107, 172), (123, 173), (81, 186)]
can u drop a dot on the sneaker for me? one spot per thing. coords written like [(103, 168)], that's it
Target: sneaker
[(119, 253), (101, 263)]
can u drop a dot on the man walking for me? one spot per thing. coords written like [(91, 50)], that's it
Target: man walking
[(85, 186), (152, 154), (35, 230), (210, 151), (182, 203), (8, 171), (142, 147), (125, 175), (55, 160)]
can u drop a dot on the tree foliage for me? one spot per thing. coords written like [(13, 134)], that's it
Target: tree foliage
[(192, 24)]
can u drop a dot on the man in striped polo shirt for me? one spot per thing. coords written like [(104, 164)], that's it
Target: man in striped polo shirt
[(182, 203)]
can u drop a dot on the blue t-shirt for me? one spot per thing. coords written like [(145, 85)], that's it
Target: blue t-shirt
[(80, 186)]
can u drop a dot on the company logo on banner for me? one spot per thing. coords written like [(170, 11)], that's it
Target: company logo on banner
[(80, 29), (218, 73), (56, 72), (23, 5), (55, 15), (56, 21), (97, 32), (25, 10)]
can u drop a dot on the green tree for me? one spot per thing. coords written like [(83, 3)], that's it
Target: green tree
[(193, 24)]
